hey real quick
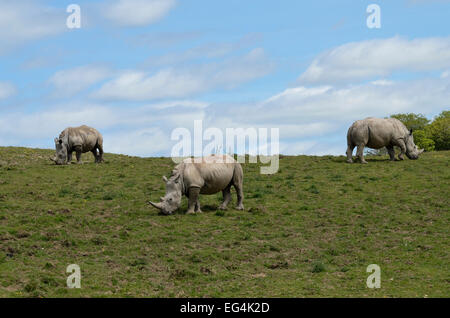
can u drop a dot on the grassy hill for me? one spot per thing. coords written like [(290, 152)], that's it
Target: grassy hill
[(309, 231)]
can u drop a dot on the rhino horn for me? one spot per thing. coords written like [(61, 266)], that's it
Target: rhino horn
[(156, 205), (52, 159), (165, 178), (421, 150)]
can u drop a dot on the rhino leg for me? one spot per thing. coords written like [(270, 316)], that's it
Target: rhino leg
[(391, 152), (94, 152), (100, 151), (78, 153), (69, 156), (238, 179), (197, 207), (360, 153), (350, 153), (226, 197), (193, 199), (240, 196), (402, 146)]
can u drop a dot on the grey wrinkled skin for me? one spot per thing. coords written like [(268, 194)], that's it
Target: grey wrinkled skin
[(79, 139), (207, 175), (377, 133)]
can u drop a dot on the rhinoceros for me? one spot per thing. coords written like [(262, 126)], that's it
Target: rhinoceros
[(79, 139), (377, 133), (204, 175)]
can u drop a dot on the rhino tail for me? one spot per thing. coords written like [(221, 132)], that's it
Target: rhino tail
[(349, 137), (99, 147), (238, 174), (368, 134)]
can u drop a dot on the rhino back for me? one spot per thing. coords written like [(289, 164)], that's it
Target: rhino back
[(376, 132), (400, 129), (84, 136), (211, 177)]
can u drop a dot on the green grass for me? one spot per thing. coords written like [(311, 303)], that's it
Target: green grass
[(309, 231)]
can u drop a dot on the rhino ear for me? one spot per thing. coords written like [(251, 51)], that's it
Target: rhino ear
[(177, 179), (56, 140)]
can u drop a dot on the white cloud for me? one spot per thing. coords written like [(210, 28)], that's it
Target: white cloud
[(7, 90), (181, 103), (137, 86), (23, 20), (236, 71), (172, 83), (50, 123), (382, 82), (334, 104), (71, 81), (143, 142), (378, 58), (203, 51), (163, 39), (137, 12)]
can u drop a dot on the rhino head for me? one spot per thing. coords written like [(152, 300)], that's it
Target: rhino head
[(412, 152), (60, 157), (172, 200)]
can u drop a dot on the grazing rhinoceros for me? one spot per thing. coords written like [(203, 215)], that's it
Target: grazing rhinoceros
[(377, 133), (207, 175), (79, 139)]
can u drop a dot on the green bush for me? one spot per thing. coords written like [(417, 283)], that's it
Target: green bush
[(422, 140), (439, 131)]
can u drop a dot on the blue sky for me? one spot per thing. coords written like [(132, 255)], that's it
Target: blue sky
[(136, 69)]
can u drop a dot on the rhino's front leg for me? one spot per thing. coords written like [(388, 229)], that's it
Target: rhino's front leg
[(402, 146), (193, 199), (391, 152), (69, 157), (197, 207)]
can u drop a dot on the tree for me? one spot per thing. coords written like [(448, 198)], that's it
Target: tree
[(412, 121), (423, 140), (439, 131)]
